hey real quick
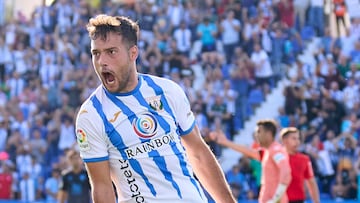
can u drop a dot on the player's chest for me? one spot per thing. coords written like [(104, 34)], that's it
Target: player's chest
[(135, 122)]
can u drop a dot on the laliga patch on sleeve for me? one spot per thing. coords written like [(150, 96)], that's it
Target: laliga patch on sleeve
[(278, 157), (82, 140)]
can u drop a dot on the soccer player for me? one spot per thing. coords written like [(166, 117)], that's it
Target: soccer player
[(276, 172), (301, 169), (138, 131), (75, 185)]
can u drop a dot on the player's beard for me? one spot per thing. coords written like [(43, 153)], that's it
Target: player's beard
[(121, 81)]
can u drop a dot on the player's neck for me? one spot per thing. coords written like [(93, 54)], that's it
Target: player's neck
[(291, 152), (267, 145), (76, 169), (132, 83)]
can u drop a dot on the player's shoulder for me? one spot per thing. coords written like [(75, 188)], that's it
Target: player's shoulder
[(302, 156), (87, 108), (66, 172), (162, 82), (277, 147)]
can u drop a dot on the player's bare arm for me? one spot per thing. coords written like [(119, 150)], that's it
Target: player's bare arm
[(102, 188), (221, 139), (313, 189), (205, 165)]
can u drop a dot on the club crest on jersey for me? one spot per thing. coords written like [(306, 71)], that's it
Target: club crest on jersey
[(82, 140), (155, 103), (145, 125)]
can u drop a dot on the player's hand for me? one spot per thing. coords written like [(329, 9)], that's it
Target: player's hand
[(213, 136), (218, 136)]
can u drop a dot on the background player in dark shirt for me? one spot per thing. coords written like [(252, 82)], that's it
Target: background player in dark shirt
[(75, 186)]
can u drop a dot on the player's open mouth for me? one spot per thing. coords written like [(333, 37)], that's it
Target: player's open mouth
[(108, 77)]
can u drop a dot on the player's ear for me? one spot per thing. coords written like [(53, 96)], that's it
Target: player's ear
[(133, 52)]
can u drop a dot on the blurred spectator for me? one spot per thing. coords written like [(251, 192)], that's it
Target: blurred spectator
[(26, 106), (162, 26), (2, 11), (286, 12), (21, 124), (266, 12), (5, 60), (218, 112), (350, 94), (229, 29), (251, 27), (300, 8), (39, 125), (201, 119), (263, 70), (339, 11), (175, 12), (283, 119), (347, 43), (292, 99), (207, 32), (64, 15), (3, 135), (67, 134), (23, 159), (19, 57), (330, 146), (278, 54), (46, 18), (188, 89), (27, 188), (335, 93), (16, 85), (151, 59), (345, 186), (322, 167), (48, 72), (52, 186), (316, 16), (38, 146), (327, 41), (182, 36), (237, 182), (35, 170), (343, 66), (6, 180), (229, 95), (354, 27), (241, 83), (147, 21), (352, 72), (355, 53)]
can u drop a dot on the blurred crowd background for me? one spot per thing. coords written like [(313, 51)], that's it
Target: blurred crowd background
[(227, 55)]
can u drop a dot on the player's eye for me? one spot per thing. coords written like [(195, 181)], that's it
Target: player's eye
[(95, 53), (112, 51)]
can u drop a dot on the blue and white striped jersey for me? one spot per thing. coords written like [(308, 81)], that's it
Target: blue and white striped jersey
[(139, 133)]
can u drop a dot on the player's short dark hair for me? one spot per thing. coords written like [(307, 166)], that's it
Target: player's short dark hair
[(101, 25), (268, 125)]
